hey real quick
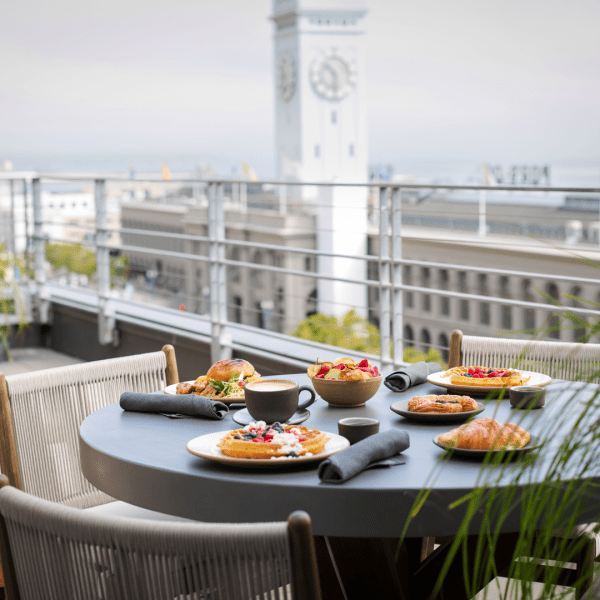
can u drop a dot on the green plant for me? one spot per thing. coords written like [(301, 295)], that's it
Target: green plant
[(565, 471), (79, 259), (10, 303), (350, 331)]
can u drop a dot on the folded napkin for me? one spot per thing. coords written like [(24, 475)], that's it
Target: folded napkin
[(406, 377), (183, 404), (376, 450)]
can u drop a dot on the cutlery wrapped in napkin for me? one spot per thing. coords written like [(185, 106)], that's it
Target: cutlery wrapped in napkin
[(378, 450), (182, 404), (414, 374)]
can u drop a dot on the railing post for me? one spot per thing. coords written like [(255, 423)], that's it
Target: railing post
[(398, 326), (12, 245), (39, 252), (26, 221), (220, 345), (106, 323), (482, 214), (384, 278)]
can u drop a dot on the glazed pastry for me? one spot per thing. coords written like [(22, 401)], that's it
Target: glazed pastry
[(259, 440), (486, 434), (442, 404), (485, 376)]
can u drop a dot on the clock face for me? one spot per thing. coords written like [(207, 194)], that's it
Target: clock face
[(332, 76), (286, 76)]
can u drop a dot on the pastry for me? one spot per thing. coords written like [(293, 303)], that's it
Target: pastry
[(259, 440), (442, 404), (485, 376), (486, 434)]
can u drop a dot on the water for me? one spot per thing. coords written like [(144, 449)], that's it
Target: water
[(562, 174)]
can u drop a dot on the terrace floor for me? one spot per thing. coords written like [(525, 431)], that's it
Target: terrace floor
[(35, 359)]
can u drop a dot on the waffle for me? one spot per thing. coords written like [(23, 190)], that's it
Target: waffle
[(238, 443), (458, 377), (442, 404)]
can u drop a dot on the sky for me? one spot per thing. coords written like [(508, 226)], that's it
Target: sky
[(501, 81)]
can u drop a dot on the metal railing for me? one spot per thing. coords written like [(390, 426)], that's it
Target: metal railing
[(386, 215)]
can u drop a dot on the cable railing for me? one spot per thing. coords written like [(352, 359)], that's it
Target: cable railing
[(310, 279)]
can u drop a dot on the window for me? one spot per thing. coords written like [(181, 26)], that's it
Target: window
[(506, 317), (444, 346), (425, 282), (256, 274), (579, 329), (463, 286), (234, 270), (409, 336), (553, 330), (237, 309), (484, 313), (445, 306), (464, 310), (482, 285), (529, 318), (308, 263), (504, 287), (425, 339)]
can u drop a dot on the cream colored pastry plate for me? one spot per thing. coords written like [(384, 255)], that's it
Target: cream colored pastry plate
[(439, 379), (205, 446)]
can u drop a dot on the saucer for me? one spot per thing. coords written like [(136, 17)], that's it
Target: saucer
[(243, 417)]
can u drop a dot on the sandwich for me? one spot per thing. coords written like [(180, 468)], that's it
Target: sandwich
[(225, 379)]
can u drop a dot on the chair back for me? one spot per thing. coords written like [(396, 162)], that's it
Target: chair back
[(559, 360), (40, 415), (55, 551)]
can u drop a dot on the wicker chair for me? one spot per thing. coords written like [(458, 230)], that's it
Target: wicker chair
[(560, 360), (40, 415), (54, 551)]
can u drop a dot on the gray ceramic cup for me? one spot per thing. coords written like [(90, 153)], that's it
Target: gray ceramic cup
[(273, 400), (355, 429), (527, 396)]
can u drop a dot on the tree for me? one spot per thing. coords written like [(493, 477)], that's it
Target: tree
[(354, 333)]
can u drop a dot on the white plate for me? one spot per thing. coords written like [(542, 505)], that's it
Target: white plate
[(205, 446), (172, 389), (439, 379)]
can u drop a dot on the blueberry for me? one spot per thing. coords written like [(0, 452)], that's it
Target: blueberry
[(293, 454), (237, 437)]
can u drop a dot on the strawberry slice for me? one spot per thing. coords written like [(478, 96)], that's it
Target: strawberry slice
[(471, 370), (363, 363)]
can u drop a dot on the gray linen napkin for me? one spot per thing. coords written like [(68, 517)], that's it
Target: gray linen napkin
[(183, 404), (376, 450), (406, 377)]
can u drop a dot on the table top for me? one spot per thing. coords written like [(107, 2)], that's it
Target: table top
[(141, 458)]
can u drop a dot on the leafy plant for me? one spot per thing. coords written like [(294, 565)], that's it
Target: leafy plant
[(10, 304), (564, 490), (79, 259)]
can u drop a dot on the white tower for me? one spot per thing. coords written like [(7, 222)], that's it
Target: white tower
[(321, 131)]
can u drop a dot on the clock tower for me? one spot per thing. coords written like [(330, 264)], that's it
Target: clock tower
[(319, 86), (320, 125)]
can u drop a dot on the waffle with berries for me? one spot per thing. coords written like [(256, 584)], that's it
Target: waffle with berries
[(442, 404), (485, 376), (261, 441)]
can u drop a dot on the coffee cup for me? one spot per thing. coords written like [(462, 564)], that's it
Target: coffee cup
[(272, 400), (355, 429)]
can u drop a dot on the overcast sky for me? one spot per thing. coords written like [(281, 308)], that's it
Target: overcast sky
[(479, 80)]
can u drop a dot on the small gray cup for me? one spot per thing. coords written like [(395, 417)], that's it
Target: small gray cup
[(527, 396), (355, 429)]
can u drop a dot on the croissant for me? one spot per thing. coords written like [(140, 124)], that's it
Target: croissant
[(486, 434)]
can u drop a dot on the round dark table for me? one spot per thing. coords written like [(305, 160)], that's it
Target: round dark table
[(141, 458)]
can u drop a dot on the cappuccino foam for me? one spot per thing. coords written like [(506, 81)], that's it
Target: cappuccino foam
[(271, 386)]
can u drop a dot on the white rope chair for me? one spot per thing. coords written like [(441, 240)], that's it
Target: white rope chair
[(40, 415), (54, 551), (559, 360)]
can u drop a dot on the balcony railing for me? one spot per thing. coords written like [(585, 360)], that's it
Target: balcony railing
[(241, 268)]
